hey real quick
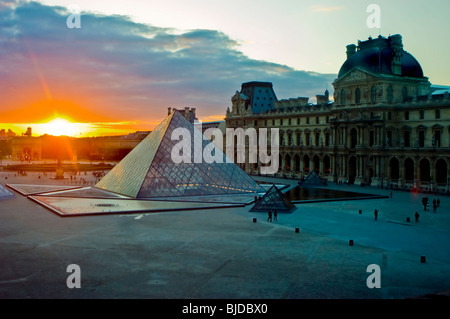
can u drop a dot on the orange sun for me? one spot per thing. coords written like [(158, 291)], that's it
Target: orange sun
[(60, 126)]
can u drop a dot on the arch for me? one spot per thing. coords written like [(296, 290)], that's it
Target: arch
[(424, 170), (373, 94), (306, 164), (394, 168), (316, 163), (408, 166), (296, 162), (441, 172), (287, 163), (326, 165), (351, 170)]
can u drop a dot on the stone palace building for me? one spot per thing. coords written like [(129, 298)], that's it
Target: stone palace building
[(386, 126)]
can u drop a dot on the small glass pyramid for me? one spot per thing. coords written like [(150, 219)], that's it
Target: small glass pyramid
[(313, 179), (273, 200), (4, 192), (148, 171)]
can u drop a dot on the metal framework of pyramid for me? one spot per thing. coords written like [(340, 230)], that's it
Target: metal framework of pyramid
[(313, 179), (5, 193), (273, 200), (148, 171)]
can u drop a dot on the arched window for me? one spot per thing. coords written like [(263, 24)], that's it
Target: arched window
[(358, 96), (404, 93), (343, 97), (390, 94), (373, 94)]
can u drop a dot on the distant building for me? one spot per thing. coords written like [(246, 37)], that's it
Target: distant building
[(188, 113), (387, 125)]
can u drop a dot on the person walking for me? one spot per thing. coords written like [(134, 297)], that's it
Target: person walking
[(434, 207), (416, 215), (376, 214), (438, 202), (275, 216), (269, 218)]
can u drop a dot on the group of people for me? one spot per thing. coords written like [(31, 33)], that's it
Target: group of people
[(275, 215), (426, 205)]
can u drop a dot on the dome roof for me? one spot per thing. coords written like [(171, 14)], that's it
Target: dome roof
[(376, 56)]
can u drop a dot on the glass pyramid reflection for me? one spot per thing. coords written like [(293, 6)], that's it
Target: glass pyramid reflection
[(148, 171)]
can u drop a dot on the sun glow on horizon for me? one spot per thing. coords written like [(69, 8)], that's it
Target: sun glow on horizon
[(61, 127)]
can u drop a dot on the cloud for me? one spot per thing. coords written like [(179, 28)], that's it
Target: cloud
[(113, 69)]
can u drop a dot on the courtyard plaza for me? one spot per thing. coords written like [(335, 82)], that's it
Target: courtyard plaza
[(225, 252)]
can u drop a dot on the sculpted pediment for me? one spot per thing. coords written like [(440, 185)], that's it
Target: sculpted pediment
[(357, 75)]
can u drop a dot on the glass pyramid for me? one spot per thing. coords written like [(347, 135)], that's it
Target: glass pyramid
[(313, 179), (148, 171), (4, 192), (273, 200)]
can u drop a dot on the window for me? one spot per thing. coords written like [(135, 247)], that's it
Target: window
[(404, 93), (406, 139), (422, 114), (343, 97), (358, 96), (265, 123), (389, 116), (437, 114), (273, 122), (421, 138), (328, 119), (389, 138), (437, 138), (307, 120), (371, 138), (373, 94), (390, 94), (298, 121), (327, 139), (407, 115), (255, 123), (289, 122), (317, 120), (281, 121), (317, 139), (298, 138), (307, 139)]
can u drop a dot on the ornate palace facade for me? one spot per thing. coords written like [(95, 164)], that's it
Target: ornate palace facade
[(386, 126)]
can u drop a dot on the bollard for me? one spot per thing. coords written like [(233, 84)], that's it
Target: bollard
[(297, 230), (350, 242), (408, 220), (423, 260), (360, 211), (254, 220)]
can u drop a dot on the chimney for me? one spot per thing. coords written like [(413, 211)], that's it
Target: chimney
[(169, 110), (397, 53), (351, 49)]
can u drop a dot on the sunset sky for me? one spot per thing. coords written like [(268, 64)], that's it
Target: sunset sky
[(131, 60)]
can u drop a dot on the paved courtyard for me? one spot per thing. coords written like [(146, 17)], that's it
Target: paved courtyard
[(222, 253)]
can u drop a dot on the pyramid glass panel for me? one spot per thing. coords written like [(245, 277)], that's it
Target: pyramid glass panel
[(273, 200), (4, 192), (313, 179), (149, 171)]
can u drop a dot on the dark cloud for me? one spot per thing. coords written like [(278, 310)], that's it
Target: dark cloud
[(129, 70)]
